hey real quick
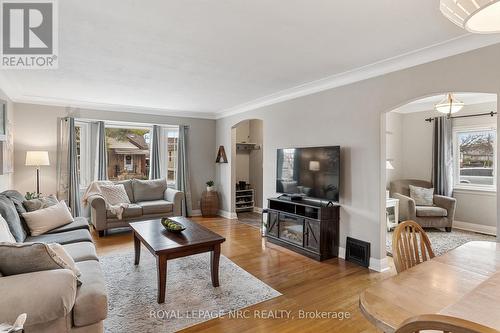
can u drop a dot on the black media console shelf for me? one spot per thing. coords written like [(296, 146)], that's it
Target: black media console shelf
[(306, 227)]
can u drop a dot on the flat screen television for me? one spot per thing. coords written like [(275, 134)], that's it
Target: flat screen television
[(312, 172)]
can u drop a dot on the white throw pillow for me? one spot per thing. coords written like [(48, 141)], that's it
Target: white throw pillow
[(114, 194), (43, 220), (5, 234), (62, 258), (422, 196)]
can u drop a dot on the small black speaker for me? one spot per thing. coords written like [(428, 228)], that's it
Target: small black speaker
[(357, 251)]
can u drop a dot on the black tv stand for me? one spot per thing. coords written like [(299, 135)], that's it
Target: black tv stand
[(308, 227)]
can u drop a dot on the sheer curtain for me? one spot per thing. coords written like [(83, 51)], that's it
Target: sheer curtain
[(67, 168), (183, 181), (154, 156), (442, 156)]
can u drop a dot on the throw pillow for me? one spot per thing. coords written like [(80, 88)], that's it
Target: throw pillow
[(5, 234), (62, 258), (40, 203), (23, 258), (422, 196), (43, 220), (148, 190), (114, 194), (9, 213)]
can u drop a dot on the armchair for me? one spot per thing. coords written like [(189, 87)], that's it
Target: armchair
[(440, 215)]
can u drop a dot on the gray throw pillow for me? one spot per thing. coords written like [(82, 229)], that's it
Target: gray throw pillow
[(9, 213), (148, 190), (40, 203), (20, 258), (128, 188), (17, 199), (422, 196)]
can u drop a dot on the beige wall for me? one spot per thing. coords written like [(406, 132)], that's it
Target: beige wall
[(37, 125), (353, 117), (414, 158), (6, 180), (394, 152)]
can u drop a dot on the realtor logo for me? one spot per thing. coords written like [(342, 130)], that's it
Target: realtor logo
[(29, 34)]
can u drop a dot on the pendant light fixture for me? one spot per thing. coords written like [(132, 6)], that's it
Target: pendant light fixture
[(478, 16), (449, 105)]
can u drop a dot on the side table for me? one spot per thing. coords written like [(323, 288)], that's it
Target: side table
[(392, 209), (209, 203)]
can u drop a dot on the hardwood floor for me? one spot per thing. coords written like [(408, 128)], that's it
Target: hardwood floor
[(307, 285)]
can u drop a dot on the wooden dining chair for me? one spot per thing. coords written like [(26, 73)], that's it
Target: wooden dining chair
[(441, 323), (410, 246)]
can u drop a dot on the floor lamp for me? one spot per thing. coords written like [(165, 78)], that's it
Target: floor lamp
[(37, 159)]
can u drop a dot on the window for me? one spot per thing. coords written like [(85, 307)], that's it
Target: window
[(475, 158), (83, 153), (127, 147), (128, 152), (172, 135)]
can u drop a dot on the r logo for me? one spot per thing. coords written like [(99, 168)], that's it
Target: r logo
[(27, 28)]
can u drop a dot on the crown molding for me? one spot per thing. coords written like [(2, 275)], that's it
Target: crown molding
[(461, 44), (110, 107)]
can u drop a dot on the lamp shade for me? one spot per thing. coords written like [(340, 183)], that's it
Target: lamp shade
[(37, 158), (478, 16), (449, 105), (314, 165)]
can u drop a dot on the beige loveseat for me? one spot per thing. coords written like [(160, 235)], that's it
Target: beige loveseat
[(440, 215), (50, 298), (149, 199)]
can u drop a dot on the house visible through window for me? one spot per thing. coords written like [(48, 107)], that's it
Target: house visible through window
[(475, 158), (128, 152)]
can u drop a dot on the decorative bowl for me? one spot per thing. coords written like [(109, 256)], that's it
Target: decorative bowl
[(172, 226)]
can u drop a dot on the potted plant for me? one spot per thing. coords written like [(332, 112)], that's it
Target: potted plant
[(210, 186)]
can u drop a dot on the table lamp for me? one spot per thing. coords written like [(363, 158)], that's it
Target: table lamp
[(37, 159)]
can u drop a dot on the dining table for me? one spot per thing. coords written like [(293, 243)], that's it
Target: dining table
[(463, 283)]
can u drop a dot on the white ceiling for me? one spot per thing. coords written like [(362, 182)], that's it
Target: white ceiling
[(201, 57)]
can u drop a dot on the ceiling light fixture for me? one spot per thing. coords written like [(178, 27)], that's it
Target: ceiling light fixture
[(449, 105), (478, 16)]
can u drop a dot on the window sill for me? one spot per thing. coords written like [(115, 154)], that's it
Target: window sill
[(475, 190)]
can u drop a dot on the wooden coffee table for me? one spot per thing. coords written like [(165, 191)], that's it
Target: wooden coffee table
[(166, 245)]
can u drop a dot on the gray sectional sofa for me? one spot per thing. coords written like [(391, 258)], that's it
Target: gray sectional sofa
[(149, 199), (51, 299)]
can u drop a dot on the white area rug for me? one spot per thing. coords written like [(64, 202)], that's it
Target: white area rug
[(443, 241), (190, 297)]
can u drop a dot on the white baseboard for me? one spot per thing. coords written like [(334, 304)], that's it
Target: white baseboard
[(257, 210), (228, 215), (378, 265), (196, 212), (341, 252), (483, 229)]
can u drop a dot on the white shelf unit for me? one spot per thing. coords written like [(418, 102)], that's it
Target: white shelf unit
[(244, 200)]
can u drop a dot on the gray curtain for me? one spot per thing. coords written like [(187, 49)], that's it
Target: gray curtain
[(68, 184), (154, 155), (442, 156), (102, 156), (183, 183)]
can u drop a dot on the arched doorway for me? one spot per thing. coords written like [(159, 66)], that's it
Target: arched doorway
[(247, 171), (407, 154)]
